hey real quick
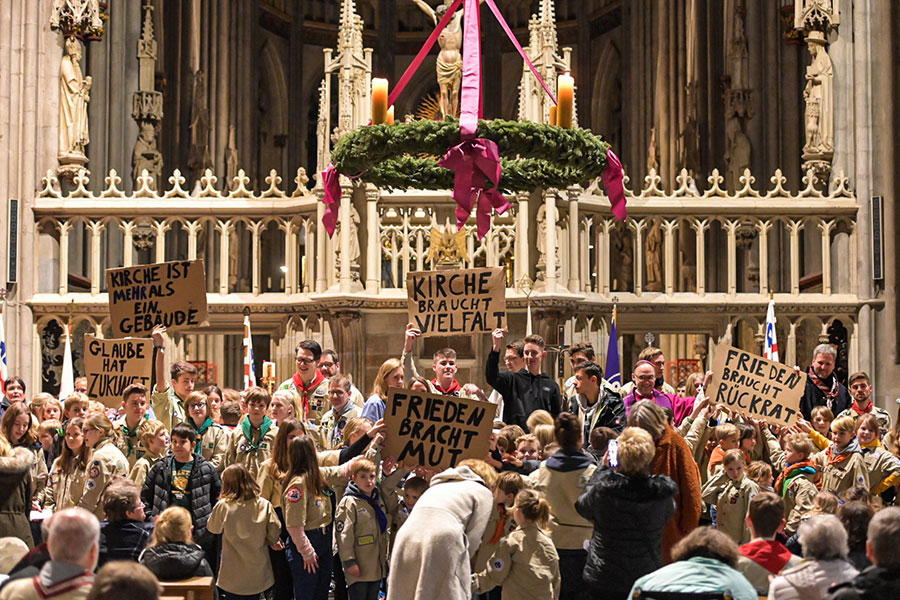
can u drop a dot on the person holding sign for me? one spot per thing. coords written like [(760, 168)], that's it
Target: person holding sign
[(134, 401), (822, 385), (168, 403), (524, 391), (308, 382)]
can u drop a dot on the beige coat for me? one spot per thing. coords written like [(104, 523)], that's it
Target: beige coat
[(247, 528), (24, 589), (884, 468), (568, 529), (214, 444), (525, 563), (732, 501), (130, 446), (141, 467), (238, 450), (64, 490), (304, 508), (487, 549), (168, 407), (837, 477), (360, 540)]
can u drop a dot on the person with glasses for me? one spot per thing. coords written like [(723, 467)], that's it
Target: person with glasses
[(211, 441), (656, 358), (342, 410), (643, 378), (125, 533), (330, 366), (309, 382)]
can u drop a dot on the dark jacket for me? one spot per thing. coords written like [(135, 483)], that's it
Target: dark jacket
[(15, 495), (203, 483), (813, 397), (176, 561), (875, 583), (608, 411), (123, 540), (523, 393), (628, 513)]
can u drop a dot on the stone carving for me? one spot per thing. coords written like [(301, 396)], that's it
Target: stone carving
[(819, 96), (653, 151), (199, 158), (354, 244), (449, 60), (74, 95), (448, 248), (738, 103), (737, 152), (623, 263), (231, 159), (147, 105), (76, 16), (653, 257), (146, 155)]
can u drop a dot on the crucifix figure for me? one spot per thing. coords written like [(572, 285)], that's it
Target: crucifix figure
[(449, 60)]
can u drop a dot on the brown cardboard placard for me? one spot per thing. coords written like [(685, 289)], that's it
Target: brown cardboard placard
[(457, 302), (171, 293), (759, 387), (435, 431), (114, 364)]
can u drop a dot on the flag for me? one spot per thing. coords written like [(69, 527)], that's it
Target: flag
[(3, 372), (771, 350), (613, 371), (249, 368), (67, 381)]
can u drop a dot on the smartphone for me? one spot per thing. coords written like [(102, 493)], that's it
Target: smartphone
[(612, 453)]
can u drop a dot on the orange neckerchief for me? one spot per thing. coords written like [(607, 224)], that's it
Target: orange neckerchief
[(836, 460), (501, 524), (785, 476)]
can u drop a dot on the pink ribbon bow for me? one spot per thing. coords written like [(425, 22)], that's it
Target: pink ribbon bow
[(332, 199), (613, 178), (475, 162)]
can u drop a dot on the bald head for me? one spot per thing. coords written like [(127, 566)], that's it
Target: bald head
[(74, 538)]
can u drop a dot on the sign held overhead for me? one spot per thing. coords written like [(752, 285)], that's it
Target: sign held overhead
[(113, 365), (457, 302)]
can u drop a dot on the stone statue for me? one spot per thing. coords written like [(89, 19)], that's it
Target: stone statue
[(74, 95), (738, 55), (449, 60), (737, 152), (231, 158), (819, 96), (653, 257), (448, 248), (653, 152), (354, 243), (146, 155), (623, 264), (83, 15), (199, 158)]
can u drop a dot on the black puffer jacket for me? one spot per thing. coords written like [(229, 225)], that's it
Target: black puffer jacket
[(628, 513), (874, 583), (176, 561), (204, 485)]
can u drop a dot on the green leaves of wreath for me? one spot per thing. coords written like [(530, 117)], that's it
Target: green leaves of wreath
[(533, 155)]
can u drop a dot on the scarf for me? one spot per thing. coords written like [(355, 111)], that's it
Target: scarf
[(452, 390), (830, 391), (246, 427), (306, 391), (769, 554), (501, 524), (198, 438), (353, 490), (56, 579), (871, 446), (860, 411), (798, 469), (836, 458)]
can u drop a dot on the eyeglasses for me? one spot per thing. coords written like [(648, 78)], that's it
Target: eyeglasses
[(327, 365), (305, 361), (646, 377), (337, 392), (196, 406)]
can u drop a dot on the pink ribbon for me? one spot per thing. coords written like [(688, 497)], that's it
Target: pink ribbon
[(332, 199), (476, 162), (613, 178)]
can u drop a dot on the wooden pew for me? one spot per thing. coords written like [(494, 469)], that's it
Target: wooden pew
[(196, 588)]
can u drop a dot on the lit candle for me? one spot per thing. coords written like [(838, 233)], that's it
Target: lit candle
[(390, 115), (553, 110), (379, 100), (268, 370), (566, 90)]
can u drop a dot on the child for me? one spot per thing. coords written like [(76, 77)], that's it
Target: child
[(599, 442), (154, 438), (134, 403), (527, 456), (883, 467), (399, 502), (106, 462), (66, 483), (727, 438), (125, 534), (820, 431), (361, 533), (731, 491), (48, 436), (172, 554), (545, 434), (76, 406), (748, 438), (248, 525), (501, 522), (230, 411), (843, 465), (824, 503), (525, 562), (211, 439), (52, 410), (761, 473), (251, 443), (796, 478)]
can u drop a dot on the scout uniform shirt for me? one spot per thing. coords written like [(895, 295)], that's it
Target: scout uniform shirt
[(249, 446), (248, 527), (843, 471), (883, 416), (884, 467), (106, 462), (64, 490), (168, 407), (331, 427), (140, 469), (525, 563), (128, 442), (211, 442), (362, 537), (303, 508), (313, 399), (499, 526), (732, 500)]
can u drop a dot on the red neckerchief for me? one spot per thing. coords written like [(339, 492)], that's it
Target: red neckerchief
[(501, 524), (784, 476), (305, 391), (830, 392), (453, 389), (860, 411), (769, 554)]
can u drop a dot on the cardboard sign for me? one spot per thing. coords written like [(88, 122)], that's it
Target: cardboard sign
[(171, 294), (113, 365), (436, 431), (756, 386), (457, 302)]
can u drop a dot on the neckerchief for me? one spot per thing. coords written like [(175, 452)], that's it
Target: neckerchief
[(871, 446), (454, 387), (501, 524), (353, 490), (246, 427), (844, 454), (46, 587), (306, 391), (337, 431), (198, 438), (131, 434), (798, 469), (830, 391), (860, 411)]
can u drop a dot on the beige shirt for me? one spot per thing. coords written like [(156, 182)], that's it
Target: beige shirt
[(64, 490), (130, 446), (732, 501), (247, 528), (837, 477), (140, 469), (360, 539), (303, 508), (238, 450), (568, 529), (214, 444), (525, 563), (106, 462)]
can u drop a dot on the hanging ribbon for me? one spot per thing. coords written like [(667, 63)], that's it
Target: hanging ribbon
[(613, 178), (331, 179)]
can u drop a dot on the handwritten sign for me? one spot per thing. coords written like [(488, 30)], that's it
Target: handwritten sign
[(171, 294), (113, 365), (436, 431), (756, 386), (457, 302)]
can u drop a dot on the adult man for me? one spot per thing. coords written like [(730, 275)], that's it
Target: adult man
[(822, 386), (168, 402), (861, 391), (309, 382), (882, 580), (342, 410), (134, 402), (643, 379), (514, 359), (330, 366), (579, 353), (81, 384), (763, 555), (73, 543), (595, 404), (656, 358), (526, 390)]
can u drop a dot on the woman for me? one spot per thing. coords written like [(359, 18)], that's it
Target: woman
[(172, 554), (15, 491), (14, 388), (285, 405), (629, 508), (389, 375), (68, 475), (432, 552), (211, 439), (20, 428), (214, 393), (883, 467), (675, 460), (106, 461), (824, 543)]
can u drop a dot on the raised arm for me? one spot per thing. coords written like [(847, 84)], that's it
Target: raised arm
[(426, 9)]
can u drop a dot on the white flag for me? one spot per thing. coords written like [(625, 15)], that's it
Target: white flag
[(67, 381), (771, 350)]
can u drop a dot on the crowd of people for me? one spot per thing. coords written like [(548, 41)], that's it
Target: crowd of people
[(588, 490)]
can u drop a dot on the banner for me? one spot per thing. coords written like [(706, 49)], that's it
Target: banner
[(171, 294), (112, 365), (457, 302), (756, 386), (436, 431)]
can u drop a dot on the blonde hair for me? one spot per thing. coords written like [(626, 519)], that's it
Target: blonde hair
[(379, 388), (76, 398), (47, 403), (538, 417), (800, 442), (100, 422), (37, 404), (545, 434), (363, 465), (649, 417), (824, 503), (733, 455), (726, 430), (483, 470), (534, 507), (353, 425), (845, 424), (172, 525), (759, 470), (292, 399), (148, 430), (636, 451), (823, 411)]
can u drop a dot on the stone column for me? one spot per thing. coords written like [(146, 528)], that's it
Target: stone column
[(522, 244), (825, 227), (700, 226), (670, 226), (96, 228), (574, 240), (795, 226), (373, 241), (763, 228), (731, 226), (551, 243), (64, 229)]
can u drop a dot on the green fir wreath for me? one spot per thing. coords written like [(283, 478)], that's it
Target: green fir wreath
[(533, 155)]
